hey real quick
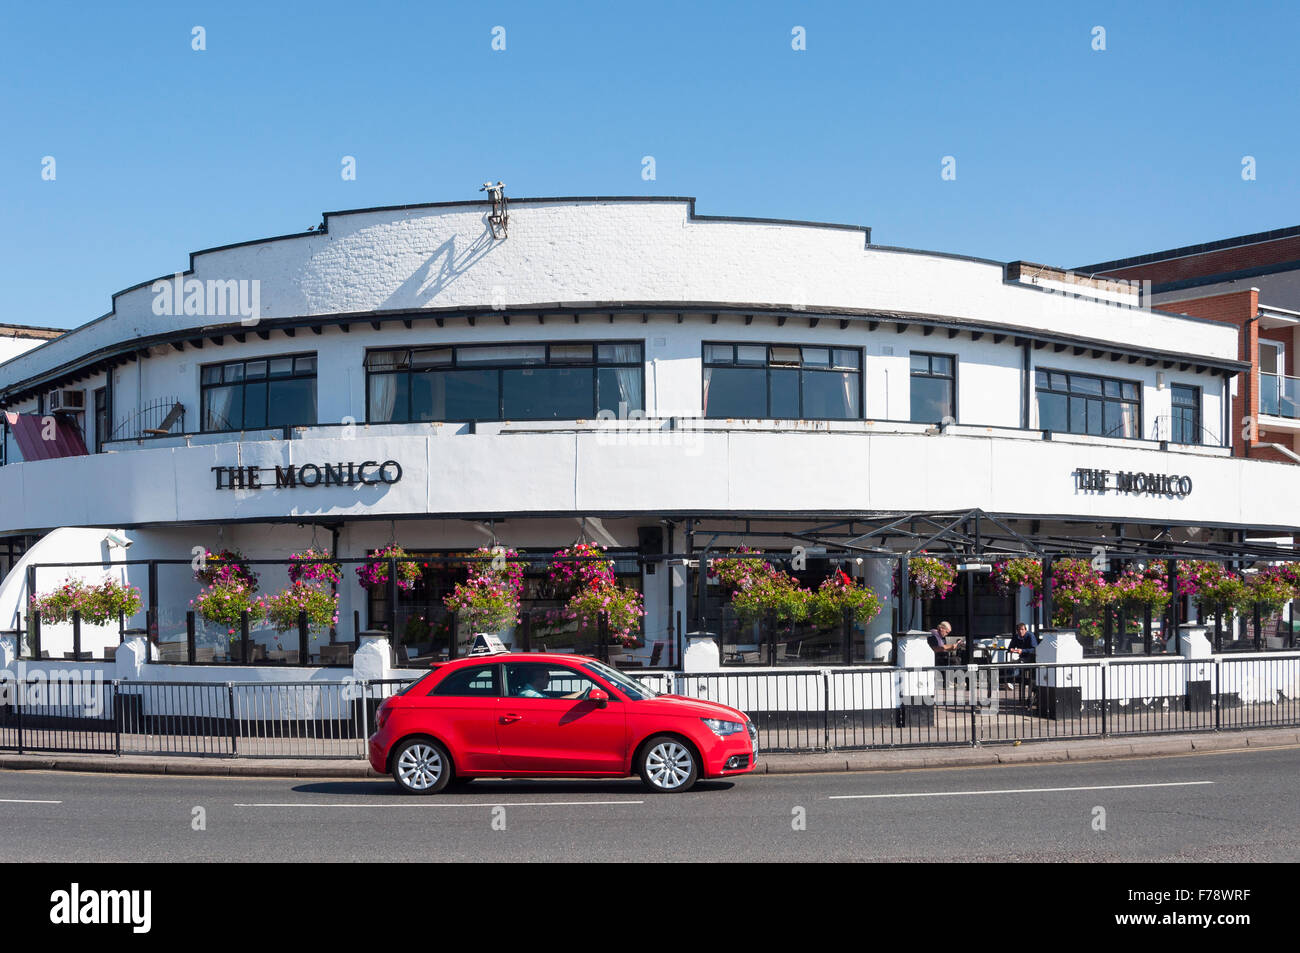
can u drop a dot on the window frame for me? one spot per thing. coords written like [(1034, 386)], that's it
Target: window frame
[(243, 384), (1195, 406), (498, 676), (1138, 401), (595, 365), (767, 368), (933, 376)]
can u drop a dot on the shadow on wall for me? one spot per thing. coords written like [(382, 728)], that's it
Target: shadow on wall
[(439, 272)]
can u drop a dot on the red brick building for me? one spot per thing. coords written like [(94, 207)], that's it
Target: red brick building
[(1253, 282)]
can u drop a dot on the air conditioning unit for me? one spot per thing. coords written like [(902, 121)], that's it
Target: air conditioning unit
[(68, 400)]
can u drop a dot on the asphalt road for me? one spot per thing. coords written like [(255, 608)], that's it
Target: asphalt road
[(1234, 806)]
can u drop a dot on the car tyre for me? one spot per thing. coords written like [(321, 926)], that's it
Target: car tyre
[(668, 765), (421, 766)]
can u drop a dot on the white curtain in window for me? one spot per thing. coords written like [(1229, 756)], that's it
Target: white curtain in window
[(383, 397), (219, 401)]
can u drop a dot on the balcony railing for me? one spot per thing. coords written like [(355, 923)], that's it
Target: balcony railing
[(1279, 395)]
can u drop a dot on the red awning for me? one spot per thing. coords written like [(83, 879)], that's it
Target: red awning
[(46, 438)]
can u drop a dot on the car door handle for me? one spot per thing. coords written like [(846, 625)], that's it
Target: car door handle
[(507, 719)]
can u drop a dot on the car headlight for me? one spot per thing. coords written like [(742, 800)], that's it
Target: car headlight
[(753, 734), (723, 728)]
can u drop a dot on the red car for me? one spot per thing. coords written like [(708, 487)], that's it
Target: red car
[(527, 715)]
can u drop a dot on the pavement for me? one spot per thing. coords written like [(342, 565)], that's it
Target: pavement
[(826, 762)]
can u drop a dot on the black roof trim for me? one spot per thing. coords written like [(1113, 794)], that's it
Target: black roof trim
[(1226, 276), (1188, 250), (19, 389)]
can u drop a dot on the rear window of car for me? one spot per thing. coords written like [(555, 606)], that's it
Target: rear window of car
[(477, 681)]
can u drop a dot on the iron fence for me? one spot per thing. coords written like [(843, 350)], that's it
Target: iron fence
[(794, 709)]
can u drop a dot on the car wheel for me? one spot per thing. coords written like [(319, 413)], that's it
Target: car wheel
[(421, 766), (668, 765)]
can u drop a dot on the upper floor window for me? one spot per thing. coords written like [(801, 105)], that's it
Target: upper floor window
[(505, 382), (266, 392), (934, 387), (1082, 403), (1185, 421), (779, 381)]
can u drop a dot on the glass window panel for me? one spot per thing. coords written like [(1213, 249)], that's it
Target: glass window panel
[(1058, 381), (571, 354), (281, 366), (212, 375), (817, 357), (941, 365), (505, 354), (431, 357), (1080, 384), (1186, 396), (304, 365), (846, 358), (619, 353), (785, 356), (1095, 417), (617, 386), (1128, 391), (388, 398), (1131, 421), (830, 395), (735, 392), (383, 360), (1053, 412), (223, 408), (468, 395), (1078, 415), (233, 372), (751, 354), (291, 403), (783, 393), (920, 363), (931, 399), (255, 370), (718, 353), (255, 405), (547, 393), (1268, 358), (1113, 420), (1041, 379), (1111, 388)]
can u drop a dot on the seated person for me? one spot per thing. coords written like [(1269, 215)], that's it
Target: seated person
[(938, 639), (1023, 644), (535, 687), (533, 681)]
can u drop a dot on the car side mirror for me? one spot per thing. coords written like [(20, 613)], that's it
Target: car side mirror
[(599, 696)]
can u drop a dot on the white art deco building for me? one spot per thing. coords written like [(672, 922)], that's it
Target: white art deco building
[(621, 370)]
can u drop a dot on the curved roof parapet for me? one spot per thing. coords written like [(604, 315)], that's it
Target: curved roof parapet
[(440, 258)]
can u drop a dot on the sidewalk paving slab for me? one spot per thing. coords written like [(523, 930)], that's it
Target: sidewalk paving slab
[(876, 759)]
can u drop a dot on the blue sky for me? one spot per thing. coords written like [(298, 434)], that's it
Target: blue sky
[(1064, 154)]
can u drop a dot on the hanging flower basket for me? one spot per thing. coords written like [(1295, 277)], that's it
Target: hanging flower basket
[(488, 601), (281, 610), (373, 574), (1141, 589), (580, 567), (98, 605), (930, 578), (838, 595), (622, 607), (1268, 589), (229, 565), (314, 567), (1011, 575), (222, 604), (1212, 584)]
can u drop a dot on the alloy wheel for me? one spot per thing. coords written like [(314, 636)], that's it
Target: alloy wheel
[(419, 767), (669, 765)]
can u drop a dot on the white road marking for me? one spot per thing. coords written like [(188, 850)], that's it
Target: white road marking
[(19, 800), (483, 803), (1096, 787)]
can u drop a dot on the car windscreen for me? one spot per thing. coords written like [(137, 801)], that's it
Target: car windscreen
[(630, 687)]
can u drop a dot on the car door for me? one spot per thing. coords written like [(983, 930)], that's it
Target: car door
[(546, 724), (461, 710)]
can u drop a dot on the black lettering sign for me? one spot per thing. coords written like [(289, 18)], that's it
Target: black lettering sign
[(366, 473)]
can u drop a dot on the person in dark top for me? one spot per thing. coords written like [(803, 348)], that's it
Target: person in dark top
[(938, 639), (1023, 644)]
